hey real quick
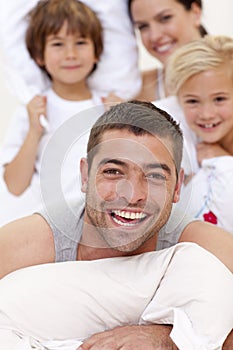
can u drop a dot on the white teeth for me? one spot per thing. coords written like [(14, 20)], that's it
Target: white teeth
[(208, 126), (126, 215), (163, 48), (123, 223), (129, 215)]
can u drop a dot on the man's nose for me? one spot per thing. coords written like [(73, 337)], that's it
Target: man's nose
[(134, 190)]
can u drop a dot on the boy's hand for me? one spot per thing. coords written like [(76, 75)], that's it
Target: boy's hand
[(36, 107)]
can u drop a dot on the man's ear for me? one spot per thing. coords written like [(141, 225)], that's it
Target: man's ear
[(179, 183), (84, 174)]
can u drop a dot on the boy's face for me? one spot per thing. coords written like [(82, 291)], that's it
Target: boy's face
[(207, 102), (130, 188), (68, 58)]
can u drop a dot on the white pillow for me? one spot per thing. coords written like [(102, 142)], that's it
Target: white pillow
[(117, 70), (54, 303)]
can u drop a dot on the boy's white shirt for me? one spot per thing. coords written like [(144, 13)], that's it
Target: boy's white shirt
[(58, 112), (117, 72)]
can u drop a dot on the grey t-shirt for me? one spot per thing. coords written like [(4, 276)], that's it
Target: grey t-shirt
[(67, 222)]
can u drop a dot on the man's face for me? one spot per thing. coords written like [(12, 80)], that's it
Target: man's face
[(130, 188)]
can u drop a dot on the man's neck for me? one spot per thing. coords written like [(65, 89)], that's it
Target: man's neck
[(91, 253)]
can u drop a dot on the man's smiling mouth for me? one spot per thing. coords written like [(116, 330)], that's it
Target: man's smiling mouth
[(127, 218)]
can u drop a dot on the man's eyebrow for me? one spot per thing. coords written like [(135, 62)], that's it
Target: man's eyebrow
[(162, 166), (112, 161), (116, 161)]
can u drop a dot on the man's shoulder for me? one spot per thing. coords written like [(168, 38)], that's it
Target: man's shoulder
[(25, 242), (171, 232), (64, 214)]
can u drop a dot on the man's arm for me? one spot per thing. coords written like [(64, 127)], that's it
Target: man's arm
[(25, 242), (213, 238), (152, 337), (228, 344)]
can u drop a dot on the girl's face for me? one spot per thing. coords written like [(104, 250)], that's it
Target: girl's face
[(165, 25), (207, 101)]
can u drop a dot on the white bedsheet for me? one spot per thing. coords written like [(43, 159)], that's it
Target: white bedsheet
[(54, 306)]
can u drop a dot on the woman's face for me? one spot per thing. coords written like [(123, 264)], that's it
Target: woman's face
[(165, 25)]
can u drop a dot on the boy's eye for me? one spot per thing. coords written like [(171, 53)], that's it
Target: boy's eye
[(81, 42), (56, 43)]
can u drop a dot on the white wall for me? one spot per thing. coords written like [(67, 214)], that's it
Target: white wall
[(217, 19), (8, 103)]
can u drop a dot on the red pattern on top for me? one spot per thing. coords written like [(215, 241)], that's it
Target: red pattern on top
[(210, 217)]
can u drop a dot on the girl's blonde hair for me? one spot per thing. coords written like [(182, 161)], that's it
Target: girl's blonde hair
[(198, 56)]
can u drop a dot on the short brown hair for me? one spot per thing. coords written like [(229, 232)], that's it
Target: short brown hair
[(139, 118), (48, 16)]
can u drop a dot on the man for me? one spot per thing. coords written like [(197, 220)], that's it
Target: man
[(131, 177)]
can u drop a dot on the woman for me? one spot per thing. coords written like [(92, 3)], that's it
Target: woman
[(164, 26)]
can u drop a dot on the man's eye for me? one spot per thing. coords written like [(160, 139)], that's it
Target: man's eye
[(112, 172), (156, 177)]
